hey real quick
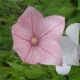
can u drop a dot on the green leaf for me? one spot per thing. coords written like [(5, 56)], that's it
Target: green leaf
[(34, 73), (12, 4), (16, 66), (58, 78), (79, 4), (74, 19), (65, 11), (4, 72), (3, 56), (74, 3)]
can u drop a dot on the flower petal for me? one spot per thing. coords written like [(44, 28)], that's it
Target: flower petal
[(70, 51), (20, 40), (30, 19), (73, 32), (53, 25), (63, 70), (79, 52), (50, 53), (33, 56), (19, 31), (21, 47)]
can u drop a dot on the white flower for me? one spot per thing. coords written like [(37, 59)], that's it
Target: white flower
[(64, 70), (71, 49)]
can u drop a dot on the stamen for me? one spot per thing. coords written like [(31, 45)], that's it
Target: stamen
[(34, 41)]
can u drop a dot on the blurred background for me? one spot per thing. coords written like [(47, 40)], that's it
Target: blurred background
[(11, 67)]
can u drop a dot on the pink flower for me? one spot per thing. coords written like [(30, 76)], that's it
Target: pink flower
[(36, 39)]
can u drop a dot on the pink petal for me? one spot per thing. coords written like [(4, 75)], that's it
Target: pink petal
[(52, 27), (33, 56), (19, 31), (30, 19), (21, 43), (50, 53), (21, 47)]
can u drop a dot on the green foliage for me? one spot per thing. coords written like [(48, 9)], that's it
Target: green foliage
[(11, 67)]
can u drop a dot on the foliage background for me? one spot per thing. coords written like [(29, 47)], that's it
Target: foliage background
[(11, 67)]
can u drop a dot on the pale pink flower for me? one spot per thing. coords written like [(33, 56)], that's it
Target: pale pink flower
[(36, 39)]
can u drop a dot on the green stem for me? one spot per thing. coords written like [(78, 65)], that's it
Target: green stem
[(74, 3), (67, 77)]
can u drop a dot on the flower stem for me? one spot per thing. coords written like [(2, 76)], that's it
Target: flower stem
[(66, 77), (74, 3)]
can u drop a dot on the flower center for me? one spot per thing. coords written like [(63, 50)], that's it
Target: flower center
[(34, 41)]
